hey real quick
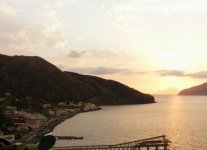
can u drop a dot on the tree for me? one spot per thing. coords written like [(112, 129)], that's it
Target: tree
[(6, 102), (3, 104)]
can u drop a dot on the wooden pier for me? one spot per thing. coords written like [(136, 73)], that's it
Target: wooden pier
[(69, 137), (154, 143)]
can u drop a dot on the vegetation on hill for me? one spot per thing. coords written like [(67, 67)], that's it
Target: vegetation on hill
[(33, 77)]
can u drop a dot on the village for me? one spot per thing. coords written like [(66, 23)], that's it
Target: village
[(25, 124)]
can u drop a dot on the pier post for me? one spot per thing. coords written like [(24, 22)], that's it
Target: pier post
[(138, 148), (165, 147)]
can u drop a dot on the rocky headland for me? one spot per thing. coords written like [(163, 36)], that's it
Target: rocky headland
[(195, 90)]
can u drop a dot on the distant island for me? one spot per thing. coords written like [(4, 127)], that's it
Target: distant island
[(35, 78), (195, 90)]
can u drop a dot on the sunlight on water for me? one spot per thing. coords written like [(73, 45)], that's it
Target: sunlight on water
[(182, 119)]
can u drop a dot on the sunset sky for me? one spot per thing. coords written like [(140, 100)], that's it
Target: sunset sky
[(154, 46)]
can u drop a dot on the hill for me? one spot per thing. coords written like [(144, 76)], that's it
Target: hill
[(195, 90), (34, 77)]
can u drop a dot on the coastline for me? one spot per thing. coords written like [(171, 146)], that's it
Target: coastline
[(45, 128), (48, 126)]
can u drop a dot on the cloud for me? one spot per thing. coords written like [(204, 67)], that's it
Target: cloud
[(133, 13), (100, 57), (102, 70), (130, 72), (18, 33), (179, 73), (201, 74), (6, 9), (76, 54), (99, 61), (98, 70)]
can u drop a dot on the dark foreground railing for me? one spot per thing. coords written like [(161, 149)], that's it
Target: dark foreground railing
[(154, 143)]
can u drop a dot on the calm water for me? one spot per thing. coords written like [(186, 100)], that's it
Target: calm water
[(182, 118)]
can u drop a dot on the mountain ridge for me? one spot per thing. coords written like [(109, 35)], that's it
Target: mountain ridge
[(34, 77), (195, 90)]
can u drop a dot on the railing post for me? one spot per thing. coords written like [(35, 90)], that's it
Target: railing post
[(139, 147), (148, 147), (165, 146)]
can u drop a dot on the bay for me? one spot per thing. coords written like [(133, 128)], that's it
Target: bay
[(182, 118)]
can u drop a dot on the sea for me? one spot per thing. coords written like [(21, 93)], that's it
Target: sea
[(182, 118)]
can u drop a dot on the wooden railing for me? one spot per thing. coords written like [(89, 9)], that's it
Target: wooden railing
[(155, 143)]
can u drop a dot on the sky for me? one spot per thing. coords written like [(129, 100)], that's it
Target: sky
[(154, 46)]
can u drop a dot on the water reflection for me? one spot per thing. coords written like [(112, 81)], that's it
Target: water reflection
[(175, 123), (183, 119)]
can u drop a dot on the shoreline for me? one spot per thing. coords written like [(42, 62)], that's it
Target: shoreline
[(45, 128), (48, 126)]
